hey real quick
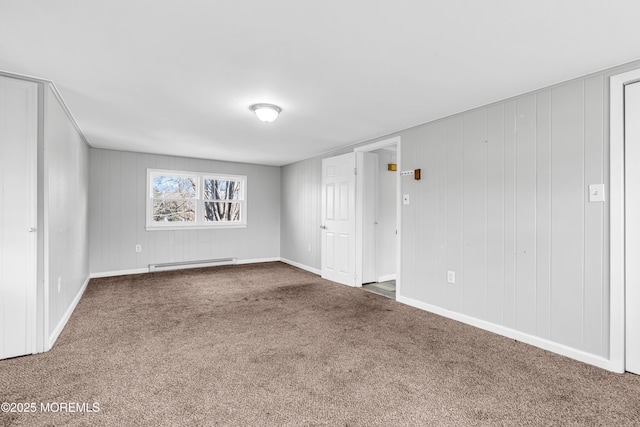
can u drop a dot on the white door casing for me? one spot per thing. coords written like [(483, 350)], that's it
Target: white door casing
[(18, 216), (632, 226), (338, 223)]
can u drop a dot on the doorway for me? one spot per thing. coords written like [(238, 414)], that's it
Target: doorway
[(344, 240), (379, 221), (378, 217)]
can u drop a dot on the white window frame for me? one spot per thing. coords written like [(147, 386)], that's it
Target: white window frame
[(200, 222)]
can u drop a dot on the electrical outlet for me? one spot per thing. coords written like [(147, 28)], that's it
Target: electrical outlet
[(59, 283), (451, 276), (138, 248), (405, 199)]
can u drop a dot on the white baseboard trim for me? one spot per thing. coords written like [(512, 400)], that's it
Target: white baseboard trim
[(257, 260), (386, 278), (545, 344), (119, 273), (67, 315), (146, 269), (301, 266)]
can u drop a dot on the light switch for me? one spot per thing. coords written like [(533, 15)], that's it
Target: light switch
[(596, 193), (405, 199)]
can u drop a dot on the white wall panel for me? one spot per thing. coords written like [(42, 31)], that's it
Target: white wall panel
[(525, 292), (594, 221), (118, 206), (455, 205), (128, 208), (66, 187), (429, 262), (113, 206), (495, 214), (510, 223), (567, 214), (474, 213), (96, 248), (410, 259), (440, 279), (415, 187), (543, 214)]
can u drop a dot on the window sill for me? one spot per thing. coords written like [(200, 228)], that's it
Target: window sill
[(193, 227)]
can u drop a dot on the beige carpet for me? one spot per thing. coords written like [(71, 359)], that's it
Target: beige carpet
[(269, 344)]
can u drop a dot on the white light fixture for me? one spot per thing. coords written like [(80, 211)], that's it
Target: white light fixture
[(266, 112)]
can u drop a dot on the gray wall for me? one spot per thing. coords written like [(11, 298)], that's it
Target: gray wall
[(117, 214), (503, 202), (66, 191), (300, 221)]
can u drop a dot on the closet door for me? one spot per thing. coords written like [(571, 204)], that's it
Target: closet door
[(632, 225), (18, 216)]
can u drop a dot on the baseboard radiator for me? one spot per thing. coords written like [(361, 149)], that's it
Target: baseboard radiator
[(167, 266)]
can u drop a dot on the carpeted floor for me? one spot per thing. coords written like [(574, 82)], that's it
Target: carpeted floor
[(269, 344)]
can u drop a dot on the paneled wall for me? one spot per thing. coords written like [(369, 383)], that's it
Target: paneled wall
[(503, 202), (117, 214), (300, 235), (66, 191)]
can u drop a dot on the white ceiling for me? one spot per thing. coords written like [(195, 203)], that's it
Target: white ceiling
[(177, 77)]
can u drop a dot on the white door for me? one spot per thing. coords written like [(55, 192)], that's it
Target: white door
[(338, 219), (632, 226), (18, 216)]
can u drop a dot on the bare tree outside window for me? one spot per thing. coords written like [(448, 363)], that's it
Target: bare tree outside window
[(217, 190), (173, 199)]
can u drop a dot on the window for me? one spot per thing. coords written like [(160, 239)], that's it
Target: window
[(192, 200)]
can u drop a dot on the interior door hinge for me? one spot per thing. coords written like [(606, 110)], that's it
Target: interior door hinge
[(355, 171)]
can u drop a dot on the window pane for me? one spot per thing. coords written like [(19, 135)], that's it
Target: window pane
[(174, 211), (222, 212), (222, 189), (173, 187)]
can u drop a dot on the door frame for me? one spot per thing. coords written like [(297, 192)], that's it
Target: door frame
[(617, 273), (397, 141)]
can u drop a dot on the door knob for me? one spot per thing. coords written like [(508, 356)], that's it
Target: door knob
[(32, 230)]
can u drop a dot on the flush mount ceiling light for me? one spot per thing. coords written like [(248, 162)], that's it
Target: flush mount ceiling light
[(266, 112)]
